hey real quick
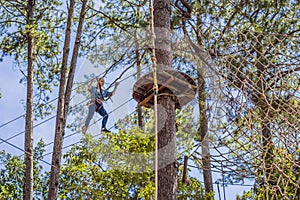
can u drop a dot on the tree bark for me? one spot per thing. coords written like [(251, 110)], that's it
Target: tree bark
[(204, 135), (266, 134), (167, 164), (167, 169), (140, 111), (63, 111), (59, 128), (268, 148), (162, 24), (207, 176), (28, 187), (74, 59)]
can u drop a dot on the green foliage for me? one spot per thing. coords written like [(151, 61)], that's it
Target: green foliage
[(46, 29), (120, 165), (109, 167), (248, 195), (193, 190), (13, 171)]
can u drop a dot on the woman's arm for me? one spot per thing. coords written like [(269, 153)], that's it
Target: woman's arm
[(115, 89), (90, 84)]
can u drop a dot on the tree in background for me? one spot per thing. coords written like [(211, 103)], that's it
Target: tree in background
[(253, 48), (253, 45), (262, 75), (65, 89), (12, 175), (28, 187), (46, 29), (25, 39)]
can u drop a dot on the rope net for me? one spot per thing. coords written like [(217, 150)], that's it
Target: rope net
[(254, 132)]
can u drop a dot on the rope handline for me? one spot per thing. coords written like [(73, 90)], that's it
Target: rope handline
[(155, 92)]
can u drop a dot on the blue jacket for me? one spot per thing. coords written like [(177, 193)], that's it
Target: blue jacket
[(96, 95)]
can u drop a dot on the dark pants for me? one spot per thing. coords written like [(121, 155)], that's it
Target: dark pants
[(99, 109)]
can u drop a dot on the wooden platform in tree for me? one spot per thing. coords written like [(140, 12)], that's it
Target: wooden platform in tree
[(170, 82)]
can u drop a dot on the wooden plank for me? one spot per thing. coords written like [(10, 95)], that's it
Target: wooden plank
[(179, 84), (151, 95)]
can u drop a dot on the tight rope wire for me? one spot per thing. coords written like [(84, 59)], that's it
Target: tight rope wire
[(15, 119), (42, 122), (25, 152), (133, 74), (16, 147), (50, 118), (12, 120)]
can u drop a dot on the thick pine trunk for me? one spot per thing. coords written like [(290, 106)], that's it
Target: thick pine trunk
[(167, 169), (28, 188), (261, 100)]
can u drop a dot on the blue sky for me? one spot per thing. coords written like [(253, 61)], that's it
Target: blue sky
[(11, 106)]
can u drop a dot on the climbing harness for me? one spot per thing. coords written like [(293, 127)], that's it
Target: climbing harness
[(104, 99)]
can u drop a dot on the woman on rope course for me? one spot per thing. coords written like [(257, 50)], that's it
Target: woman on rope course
[(98, 95)]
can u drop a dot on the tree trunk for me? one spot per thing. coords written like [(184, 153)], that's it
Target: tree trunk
[(74, 59), (141, 122), (167, 169), (61, 123), (28, 188), (207, 176), (266, 134), (268, 147), (204, 135), (63, 111), (59, 128)]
